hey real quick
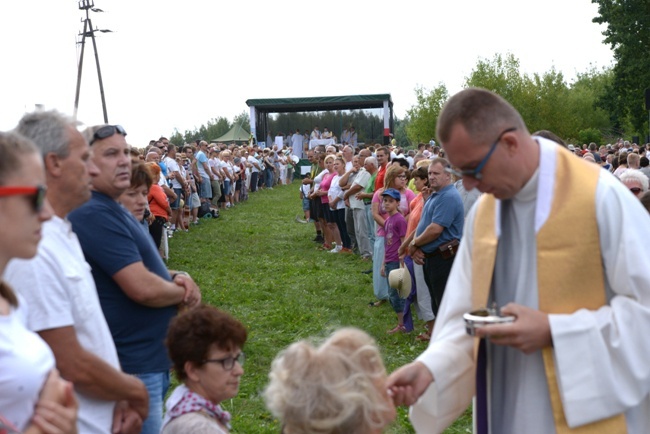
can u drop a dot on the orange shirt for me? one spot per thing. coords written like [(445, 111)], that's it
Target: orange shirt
[(158, 202), (379, 180), (416, 205)]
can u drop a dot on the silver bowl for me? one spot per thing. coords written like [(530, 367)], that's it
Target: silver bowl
[(483, 317)]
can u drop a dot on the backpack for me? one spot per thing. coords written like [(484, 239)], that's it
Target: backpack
[(204, 209)]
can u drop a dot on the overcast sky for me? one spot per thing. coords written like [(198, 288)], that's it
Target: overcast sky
[(178, 64)]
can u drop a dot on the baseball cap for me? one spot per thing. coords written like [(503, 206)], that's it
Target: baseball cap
[(392, 193)]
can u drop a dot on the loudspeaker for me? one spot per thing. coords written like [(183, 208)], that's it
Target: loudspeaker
[(635, 139), (647, 99)]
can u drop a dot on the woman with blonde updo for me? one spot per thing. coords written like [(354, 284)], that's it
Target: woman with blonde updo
[(338, 387)]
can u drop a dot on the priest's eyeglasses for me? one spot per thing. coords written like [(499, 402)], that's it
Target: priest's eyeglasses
[(229, 362), (476, 172), (36, 194)]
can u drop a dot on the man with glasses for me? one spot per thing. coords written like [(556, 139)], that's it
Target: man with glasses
[(64, 308), (138, 295), (575, 297)]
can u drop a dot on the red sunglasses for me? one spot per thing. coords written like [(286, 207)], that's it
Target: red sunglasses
[(36, 194)]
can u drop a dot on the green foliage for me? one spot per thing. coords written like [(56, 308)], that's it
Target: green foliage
[(177, 138), (501, 75), (424, 115), (590, 135), (628, 34), (257, 263), (545, 101)]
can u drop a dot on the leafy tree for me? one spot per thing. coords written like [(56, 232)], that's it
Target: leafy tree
[(243, 119), (176, 138), (628, 33), (584, 110), (424, 115), (501, 75), (546, 101), (215, 129), (590, 135)]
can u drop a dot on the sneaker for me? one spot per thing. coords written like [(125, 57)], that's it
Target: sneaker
[(347, 251), (336, 249), (399, 328), (318, 239)]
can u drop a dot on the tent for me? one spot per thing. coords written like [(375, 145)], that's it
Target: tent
[(235, 134)]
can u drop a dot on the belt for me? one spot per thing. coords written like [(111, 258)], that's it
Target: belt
[(366, 204)]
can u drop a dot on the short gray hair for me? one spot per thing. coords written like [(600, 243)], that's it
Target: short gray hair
[(636, 175), (372, 160), (48, 130)]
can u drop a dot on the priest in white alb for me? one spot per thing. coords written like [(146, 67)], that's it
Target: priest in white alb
[(562, 246)]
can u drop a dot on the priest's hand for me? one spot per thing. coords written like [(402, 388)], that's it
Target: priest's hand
[(529, 332), (408, 383)]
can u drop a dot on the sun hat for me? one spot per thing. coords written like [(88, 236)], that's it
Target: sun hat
[(400, 280)]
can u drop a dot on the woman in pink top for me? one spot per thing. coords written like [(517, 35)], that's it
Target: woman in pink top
[(322, 191)]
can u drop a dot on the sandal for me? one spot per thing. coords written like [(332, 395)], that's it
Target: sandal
[(325, 246), (423, 337)]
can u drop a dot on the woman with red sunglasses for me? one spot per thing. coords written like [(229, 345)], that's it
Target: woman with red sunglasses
[(33, 398)]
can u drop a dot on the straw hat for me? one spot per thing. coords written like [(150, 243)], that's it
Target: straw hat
[(400, 280)]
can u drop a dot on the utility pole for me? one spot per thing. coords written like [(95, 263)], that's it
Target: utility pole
[(88, 31)]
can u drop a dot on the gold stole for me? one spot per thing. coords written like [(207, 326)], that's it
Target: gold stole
[(569, 268)]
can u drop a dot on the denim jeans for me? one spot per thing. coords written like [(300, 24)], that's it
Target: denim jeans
[(157, 384), (395, 301), (268, 177), (379, 283), (372, 230)]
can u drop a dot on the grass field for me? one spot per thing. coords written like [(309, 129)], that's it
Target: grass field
[(259, 264)]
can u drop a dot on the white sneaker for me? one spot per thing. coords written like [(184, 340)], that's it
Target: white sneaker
[(336, 249)]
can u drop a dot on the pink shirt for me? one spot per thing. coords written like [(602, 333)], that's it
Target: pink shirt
[(325, 186)]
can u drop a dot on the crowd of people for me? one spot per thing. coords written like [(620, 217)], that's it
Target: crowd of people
[(94, 318)]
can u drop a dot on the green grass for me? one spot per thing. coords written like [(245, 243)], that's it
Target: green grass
[(259, 264)]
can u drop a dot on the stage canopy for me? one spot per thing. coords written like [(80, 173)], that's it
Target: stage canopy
[(260, 109)]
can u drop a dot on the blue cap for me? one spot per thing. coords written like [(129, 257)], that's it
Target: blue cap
[(392, 193)]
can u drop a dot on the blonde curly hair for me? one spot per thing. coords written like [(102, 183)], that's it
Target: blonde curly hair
[(337, 387)]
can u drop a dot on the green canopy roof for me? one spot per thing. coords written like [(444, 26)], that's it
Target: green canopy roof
[(235, 134), (319, 103)]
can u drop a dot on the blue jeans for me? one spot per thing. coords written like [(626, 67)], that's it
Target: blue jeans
[(268, 177), (395, 301), (379, 283), (372, 230), (157, 384)]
